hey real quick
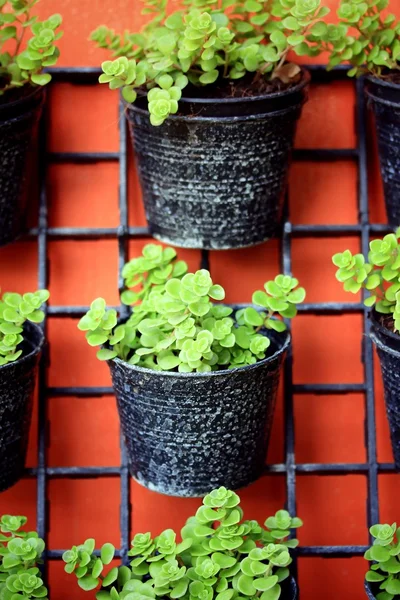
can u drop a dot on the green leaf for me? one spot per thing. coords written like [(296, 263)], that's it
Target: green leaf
[(96, 339), (209, 77), (379, 553), (88, 583), (110, 577), (252, 317), (107, 553), (105, 354), (167, 360), (41, 78), (272, 594)]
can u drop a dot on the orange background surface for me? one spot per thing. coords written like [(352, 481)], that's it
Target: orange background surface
[(85, 431)]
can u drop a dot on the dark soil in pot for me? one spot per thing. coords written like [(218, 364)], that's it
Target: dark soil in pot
[(388, 347), (19, 115), (384, 98), (188, 433), (215, 175), (17, 384)]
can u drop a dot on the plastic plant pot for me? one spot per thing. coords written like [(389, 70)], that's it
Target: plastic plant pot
[(388, 347), (384, 97), (17, 384), (18, 127), (371, 590), (188, 433), (215, 175)]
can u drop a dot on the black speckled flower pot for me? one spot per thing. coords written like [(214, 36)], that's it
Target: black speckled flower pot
[(289, 589), (188, 433), (384, 97), (17, 383), (215, 175), (369, 590), (18, 125), (388, 347)]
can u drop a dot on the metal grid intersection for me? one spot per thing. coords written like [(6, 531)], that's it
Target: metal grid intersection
[(363, 230)]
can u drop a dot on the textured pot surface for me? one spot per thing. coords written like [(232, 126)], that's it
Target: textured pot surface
[(289, 589), (385, 100), (18, 124), (388, 348), (369, 589), (188, 433), (17, 384), (215, 176)]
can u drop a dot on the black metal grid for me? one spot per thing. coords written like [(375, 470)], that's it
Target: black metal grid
[(363, 230)]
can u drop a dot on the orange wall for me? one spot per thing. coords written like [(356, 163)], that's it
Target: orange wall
[(327, 349)]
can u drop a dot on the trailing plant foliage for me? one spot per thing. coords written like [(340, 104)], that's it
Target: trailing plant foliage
[(365, 38), (19, 67), (175, 323), (384, 554), (221, 557), (15, 310), (380, 275), (206, 42), (20, 553)]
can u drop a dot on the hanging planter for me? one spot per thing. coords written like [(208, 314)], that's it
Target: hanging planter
[(381, 276), (21, 101), (213, 102), (221, 556), (384, 98), (372, 45), (215, 176), (21, 342), (18, 129), (382, 580), (189, 432), (195, 381)]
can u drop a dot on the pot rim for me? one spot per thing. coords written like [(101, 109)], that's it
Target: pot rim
[(35, 90), (286, 340), (35, 351), (383, 82), (395, 337), (306, 77)]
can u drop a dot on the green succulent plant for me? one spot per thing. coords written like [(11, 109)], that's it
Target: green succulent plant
[(15, 310), (384, 554), (221, 557), (175, 323), (363, 37), (20, 553), (380, 275), (20, 67), (205, 42)]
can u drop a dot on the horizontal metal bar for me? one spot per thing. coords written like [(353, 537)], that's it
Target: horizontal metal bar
[(89, 233), (82, 157), (329, 231), (330, 308), (276, 469), (79, 392), (329, 388), (325, 154), (331, 551)]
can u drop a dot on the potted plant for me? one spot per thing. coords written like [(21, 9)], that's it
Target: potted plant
[(370, 42), (381, 276), (21, 341), (195, 381), (21, 98), (20, 555), (220, 556), (382, 581), (212, 100)]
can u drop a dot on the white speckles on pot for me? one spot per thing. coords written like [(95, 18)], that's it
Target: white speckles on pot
[(17, 383), (18, 122), (385, 100), (216, 182), (189, 433), (388, 348)]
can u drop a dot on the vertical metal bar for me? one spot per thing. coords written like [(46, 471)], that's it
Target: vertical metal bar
[(367, 351), (41, 491), (125, 516)]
